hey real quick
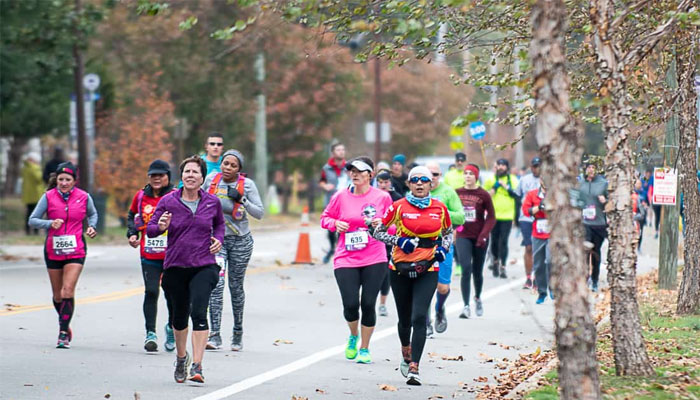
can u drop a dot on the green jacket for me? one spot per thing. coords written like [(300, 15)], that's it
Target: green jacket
[(32, 183), (447, 195), (455, 178)]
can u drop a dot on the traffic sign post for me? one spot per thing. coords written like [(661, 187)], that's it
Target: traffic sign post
[(478, 131)]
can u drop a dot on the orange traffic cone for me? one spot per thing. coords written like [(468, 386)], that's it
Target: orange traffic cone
[(304, 243)]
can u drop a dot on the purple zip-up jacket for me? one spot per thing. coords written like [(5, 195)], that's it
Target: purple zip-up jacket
[(189, 235)]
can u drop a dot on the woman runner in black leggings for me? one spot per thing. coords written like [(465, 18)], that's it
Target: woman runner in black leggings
[(424, 232), (473, 237)]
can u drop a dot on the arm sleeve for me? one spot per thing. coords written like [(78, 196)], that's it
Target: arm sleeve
[(254, 205), (152, 229), (456, 210), (219, 222), (447, 237), (133, 209), (92, 213), (330, 214), (36, 220), (380, 233), (490, 221), (527, 205)]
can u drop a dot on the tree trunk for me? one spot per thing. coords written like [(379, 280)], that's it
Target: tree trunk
[(689, 292), (559, 136), (628, 343), (14, 164)]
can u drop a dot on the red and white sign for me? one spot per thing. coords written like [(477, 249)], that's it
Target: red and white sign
[(665, 186)]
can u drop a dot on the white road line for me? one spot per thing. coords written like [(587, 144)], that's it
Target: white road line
[(327, 353)]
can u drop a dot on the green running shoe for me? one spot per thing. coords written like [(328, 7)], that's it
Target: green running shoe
[(351, 350), (364, 357), (151, 342), (169, 338)]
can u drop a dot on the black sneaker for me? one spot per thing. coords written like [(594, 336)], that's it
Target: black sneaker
[(196, 374), (502, 270), (237, 341), (182, 364), (429, 331), (494, 268), (440, 322)]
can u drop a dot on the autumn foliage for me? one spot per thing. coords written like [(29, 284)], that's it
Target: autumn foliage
[(129, 139)]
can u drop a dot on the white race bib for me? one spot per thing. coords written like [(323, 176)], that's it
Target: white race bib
[(589, 213), (157, 244), (357, 240), (469, 214), (542, 226), (65, 244), (221, 262)]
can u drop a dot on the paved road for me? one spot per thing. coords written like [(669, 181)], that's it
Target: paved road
[(293, 336)]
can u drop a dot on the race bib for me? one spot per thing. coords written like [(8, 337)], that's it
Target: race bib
[(357, 240), (542, 226), (589, 213), (65, 244), (221, 262), (157, 244), (469, 214)]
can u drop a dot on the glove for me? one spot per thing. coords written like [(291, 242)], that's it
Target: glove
[(541, 207), (234, 194), (407, 245), (496, 185), (482, 241), (440, 254)]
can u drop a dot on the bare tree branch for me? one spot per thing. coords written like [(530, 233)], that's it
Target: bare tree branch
[(620, 19)]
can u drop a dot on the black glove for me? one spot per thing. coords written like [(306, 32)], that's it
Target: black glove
[(541, 207), (234, 194)]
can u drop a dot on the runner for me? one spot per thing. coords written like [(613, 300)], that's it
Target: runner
[(398, 176), (528, 183), (384, 183), (533, 206), (594, 191), (333, 178), (194, 222), (501, 187), (65, 249), (423, 237), (360, 262), (639, 207), (447, 195), (213, 147), (152, 250), (455, 177), (473, 237), (239, 198)]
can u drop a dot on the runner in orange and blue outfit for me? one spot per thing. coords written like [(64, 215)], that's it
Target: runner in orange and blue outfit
[(152, 250), (424, 235)]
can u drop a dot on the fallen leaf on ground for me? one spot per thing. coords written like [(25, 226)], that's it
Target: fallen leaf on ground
[(436, 396), (320, 391), (492, 343), (295, 397), (387, 388), (486, 358), (453, 358), (481, 379), (282, 341)]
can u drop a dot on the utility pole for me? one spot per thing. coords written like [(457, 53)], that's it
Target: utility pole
[(78, 72), (261, 129), (668, 241), (377, 109)]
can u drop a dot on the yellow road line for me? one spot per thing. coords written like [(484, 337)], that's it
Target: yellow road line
[(113, 296)]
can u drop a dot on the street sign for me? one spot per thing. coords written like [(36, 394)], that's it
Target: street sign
[(665, 186), (91, 82), (370, 133), (477, 130)]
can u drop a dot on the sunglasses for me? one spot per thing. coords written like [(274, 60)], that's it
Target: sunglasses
[(216, 144), (417, 179), (436, 174)]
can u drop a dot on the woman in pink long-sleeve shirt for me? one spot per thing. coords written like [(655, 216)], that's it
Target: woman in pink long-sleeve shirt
[(360, 261)]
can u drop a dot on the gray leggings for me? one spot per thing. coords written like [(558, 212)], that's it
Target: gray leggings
[(541, 264), (236, 251)]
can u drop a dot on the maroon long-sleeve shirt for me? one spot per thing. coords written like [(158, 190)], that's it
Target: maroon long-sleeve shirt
[(479, 215)]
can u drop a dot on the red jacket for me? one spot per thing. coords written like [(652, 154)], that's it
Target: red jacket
[(540, 226)]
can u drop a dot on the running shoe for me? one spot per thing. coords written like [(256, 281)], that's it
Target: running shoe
[(382, 310), (351, 350), (541, 298), (429, 331), (502, 272), (327, 257), (196, 374), (214, 342), (458, 270), (594, 287), (440, 321), (551, 294), (169, 338), (413, 378), (494, 268), (466, 312), (63, 340), (656, 235), (405, 360), (588, 245), (182, 365), (237, 341), (363, 357), (528, 284), (150, 344), (479, 307)]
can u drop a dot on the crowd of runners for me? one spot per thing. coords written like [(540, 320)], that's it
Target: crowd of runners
[(391, 227)]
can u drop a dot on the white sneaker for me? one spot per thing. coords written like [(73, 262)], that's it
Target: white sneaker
[(466, 312)]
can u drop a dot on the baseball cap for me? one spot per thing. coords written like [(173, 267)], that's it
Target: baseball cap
[(460, 157), (159, 167), (536, 161), (360, 165)]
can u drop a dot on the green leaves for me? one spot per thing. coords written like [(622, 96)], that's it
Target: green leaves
[(188, 23), (152, 8)]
